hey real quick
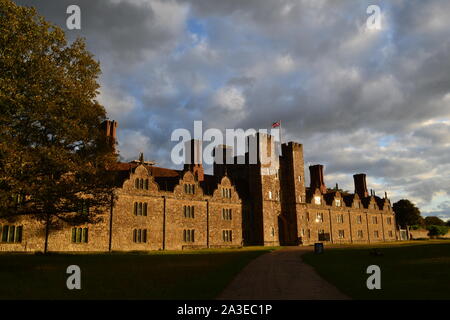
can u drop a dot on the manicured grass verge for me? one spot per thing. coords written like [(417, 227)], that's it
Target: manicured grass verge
[(151, 275), (413, 270)]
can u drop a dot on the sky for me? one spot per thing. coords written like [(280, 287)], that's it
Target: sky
[(359, 99)]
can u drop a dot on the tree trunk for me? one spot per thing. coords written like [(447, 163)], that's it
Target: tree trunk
[(47, 229)]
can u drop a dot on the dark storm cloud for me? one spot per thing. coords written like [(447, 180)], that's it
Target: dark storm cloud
[(360, 100)]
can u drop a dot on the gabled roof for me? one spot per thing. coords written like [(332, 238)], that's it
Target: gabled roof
[(166, 179)]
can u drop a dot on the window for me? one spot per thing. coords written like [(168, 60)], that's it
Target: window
[(12, 231), (226, 192), (188, 211), (302, 233), (140, 208), (341, 234), (340, 218), (375, 233), (272, 231), (79, 235), (189, 188), (227, 235), (11, 234), (140, 235), (307, 216), (317, 200), (83, 207), (19, 198), (299, 178), (226, 214), (270, 194), (141, 183), (337, 202), (360, 234), (375, 220), (359, 219), (390, 234), (389, 221), (319, 217), (188, 235), (309, 233)]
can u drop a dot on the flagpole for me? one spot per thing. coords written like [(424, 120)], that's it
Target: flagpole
[(281, 135)]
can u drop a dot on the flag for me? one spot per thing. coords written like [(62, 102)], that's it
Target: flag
[(276, 124)]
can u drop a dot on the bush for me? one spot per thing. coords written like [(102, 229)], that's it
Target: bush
[(434, 231)]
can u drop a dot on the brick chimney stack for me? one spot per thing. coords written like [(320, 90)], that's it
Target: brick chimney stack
[(317, 181), (110, 129), (193, 158), (360, 185)]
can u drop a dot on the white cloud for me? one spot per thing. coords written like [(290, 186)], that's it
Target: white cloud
[(230, 98)]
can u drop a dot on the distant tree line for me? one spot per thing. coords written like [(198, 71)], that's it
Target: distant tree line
[(407, 214)]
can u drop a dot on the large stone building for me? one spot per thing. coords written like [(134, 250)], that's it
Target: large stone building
[(264, 203)]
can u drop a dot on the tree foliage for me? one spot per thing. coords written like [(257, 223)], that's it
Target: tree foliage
[(435, 231), (431, 220), (54, 158), (406, 213)]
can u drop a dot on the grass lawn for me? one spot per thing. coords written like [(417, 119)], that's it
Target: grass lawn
[(409, 270), (151, 275)]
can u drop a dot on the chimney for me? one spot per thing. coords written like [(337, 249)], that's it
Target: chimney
[(223, 156), (316, 175), (110, 127), (193, 158), (360, 185)]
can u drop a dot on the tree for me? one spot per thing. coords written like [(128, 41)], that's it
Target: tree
[(435, 231), (54, 157), (431, 220), (406, 213)]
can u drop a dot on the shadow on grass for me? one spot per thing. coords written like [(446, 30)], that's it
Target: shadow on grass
[(151, 275), (415, 270)]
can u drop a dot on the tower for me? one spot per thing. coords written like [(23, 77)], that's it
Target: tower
[(265, 188), (293, 194)]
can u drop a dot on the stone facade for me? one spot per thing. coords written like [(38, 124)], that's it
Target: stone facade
[(264, 203), (278, 209)]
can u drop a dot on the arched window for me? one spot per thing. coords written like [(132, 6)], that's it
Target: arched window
[(136, 183), (146, 184), (140, 209)]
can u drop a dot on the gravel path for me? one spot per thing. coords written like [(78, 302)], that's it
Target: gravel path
[(280, 275)]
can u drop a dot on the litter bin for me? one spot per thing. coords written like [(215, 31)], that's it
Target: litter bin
[(318, 248)]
